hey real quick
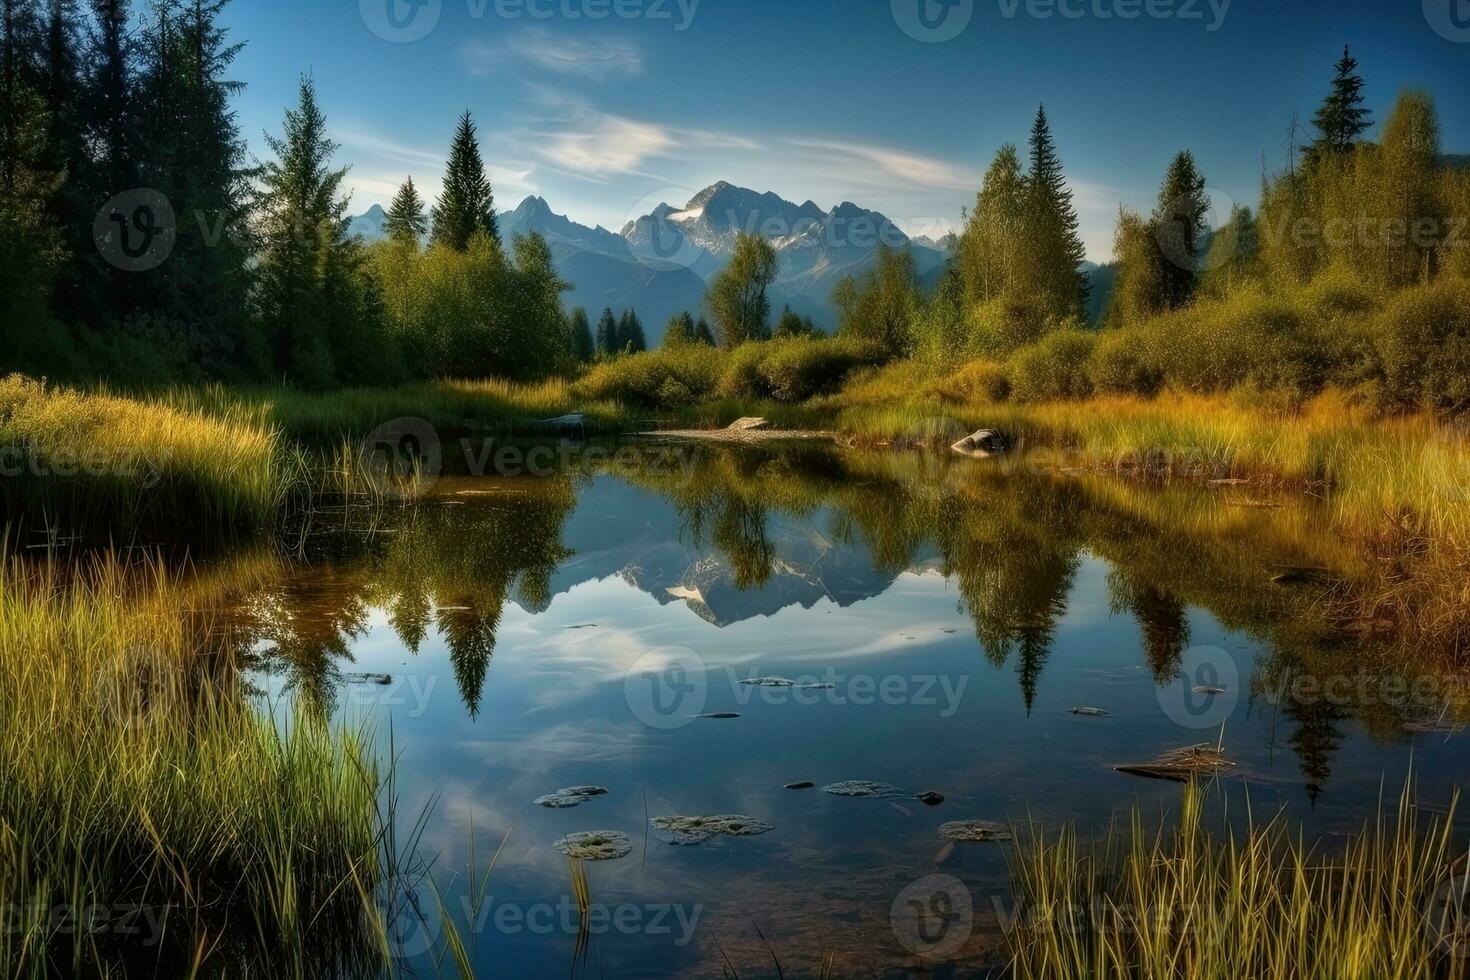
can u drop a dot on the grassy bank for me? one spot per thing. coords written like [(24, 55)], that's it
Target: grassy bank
[(153, 821), (1187, 901)]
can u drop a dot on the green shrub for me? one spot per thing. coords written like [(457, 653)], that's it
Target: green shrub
[(984, 381), (1053, 368), (1124, 363), (1422, 338), (663, 378), (800, 368), (1003, 326)]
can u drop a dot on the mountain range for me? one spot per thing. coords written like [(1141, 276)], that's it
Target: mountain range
[(661, 263)]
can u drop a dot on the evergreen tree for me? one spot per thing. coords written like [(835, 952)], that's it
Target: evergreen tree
[(703, 334), (607, 334), (1179, 229), (467, 205), (584, 348), (1053, 251), (306, 259), (1342, 117), (790, 324), (737, 296), (680, 330), (196, 159), (407, 222), (631, 338)]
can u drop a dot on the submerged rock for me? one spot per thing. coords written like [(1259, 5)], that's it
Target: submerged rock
[(1179, 765), (864, 789), (1208, 689), (1091, 712), (930, 798), (982, 443), (697, 830), (803, 784), (720, 714), (382, 680), (595, 845), (569, 796), (975, 831), (768, 682)]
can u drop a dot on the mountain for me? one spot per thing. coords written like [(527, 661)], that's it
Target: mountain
[(604, 271), (369, 225), (660, 263), (815, 248)]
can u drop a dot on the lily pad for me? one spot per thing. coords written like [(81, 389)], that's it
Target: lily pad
[(864, 789), (595, 845), (569, 796), (697, 830), (974, 831)]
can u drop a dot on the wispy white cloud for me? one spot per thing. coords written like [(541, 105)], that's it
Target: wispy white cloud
[(888, 164), (600, 59)]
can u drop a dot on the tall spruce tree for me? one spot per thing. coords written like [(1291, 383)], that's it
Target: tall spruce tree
[(680, 330), (305, 252), (584, 347), (607, 334), (631, 338), (1053, 251), (703, 334), (196, 157), (1342, 117), (407, 223), (1179, 229), (467, 205)]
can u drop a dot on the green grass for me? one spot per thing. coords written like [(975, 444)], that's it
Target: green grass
[(1185, 901), (139, 778)]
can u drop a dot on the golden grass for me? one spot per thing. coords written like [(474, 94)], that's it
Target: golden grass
[(1188, 902), (141, 783)]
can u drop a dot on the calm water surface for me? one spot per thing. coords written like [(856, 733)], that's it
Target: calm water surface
[(572, 629)]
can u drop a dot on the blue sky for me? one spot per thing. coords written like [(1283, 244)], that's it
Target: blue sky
[(832, 100)]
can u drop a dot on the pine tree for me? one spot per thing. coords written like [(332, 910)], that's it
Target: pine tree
[(584, 348), (703, 334), (1179, 229), (196, 159), (305, 251), (1342, 117), (467, 205), (1054, 253), (631, 338), (790, 324), (680, 330), (607, 334), (407, 222)]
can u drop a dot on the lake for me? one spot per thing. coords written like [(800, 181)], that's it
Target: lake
[(693, 628)]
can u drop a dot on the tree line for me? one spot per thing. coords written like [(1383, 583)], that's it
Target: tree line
[(139, 240)]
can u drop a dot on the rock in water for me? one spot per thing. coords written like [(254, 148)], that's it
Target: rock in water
[(750, 424), (982, 443), (974, 831), (930, 798), (1090, 712), (595, 845), (803, 784)]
